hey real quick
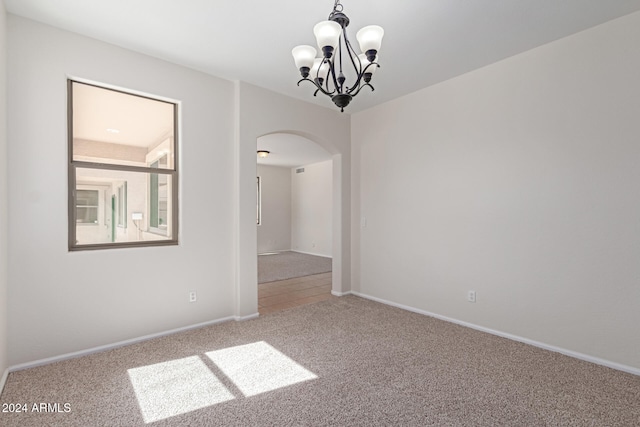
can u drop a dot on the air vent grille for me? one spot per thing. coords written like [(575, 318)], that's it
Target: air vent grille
[(300, 170)]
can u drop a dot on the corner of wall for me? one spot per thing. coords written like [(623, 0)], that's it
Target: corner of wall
[(356, 221), (3, 198)]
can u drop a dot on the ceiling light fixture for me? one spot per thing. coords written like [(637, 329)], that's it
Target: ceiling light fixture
[(263, 153), (112, 130), (326, 73)]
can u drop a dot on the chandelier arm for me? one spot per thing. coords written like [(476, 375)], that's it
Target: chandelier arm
[(332, 71), (327, 90), (371, 64), (358, 68), (352, 54), (303, 79), (318, 88), (342, 36), (360, 88), (337, 81)]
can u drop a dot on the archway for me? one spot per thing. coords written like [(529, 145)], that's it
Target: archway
[(261, 113), (294, 221)]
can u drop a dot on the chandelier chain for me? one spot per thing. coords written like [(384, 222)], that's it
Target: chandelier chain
[(337, 7)]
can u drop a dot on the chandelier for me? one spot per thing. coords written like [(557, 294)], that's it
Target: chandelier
[(326, 73)]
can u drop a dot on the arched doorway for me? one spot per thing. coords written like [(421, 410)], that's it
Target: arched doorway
[(294, 222), (261, 112)]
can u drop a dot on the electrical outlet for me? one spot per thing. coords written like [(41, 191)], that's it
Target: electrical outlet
[(471, 296), (193, 297)]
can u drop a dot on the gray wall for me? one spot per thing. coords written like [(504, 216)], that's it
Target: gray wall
[(274, 234), (4, 199), (311, 207), (297, 209), (520, 181), (62, 302)]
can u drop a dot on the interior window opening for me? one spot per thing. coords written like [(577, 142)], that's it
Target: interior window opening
[(122, 169)]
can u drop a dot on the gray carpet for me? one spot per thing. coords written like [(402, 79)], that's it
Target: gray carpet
[(357, 363), (286, 265)]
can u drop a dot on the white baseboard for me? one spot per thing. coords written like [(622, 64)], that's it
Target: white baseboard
[(274, 252), (249, 317), (311, 253), (294, 250), (118, 344), (340, 294), (3, 380), (570, 353)]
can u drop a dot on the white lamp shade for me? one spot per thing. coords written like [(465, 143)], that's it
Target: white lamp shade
[(304, 55), (327, 33), (364, 62), (370, 38)]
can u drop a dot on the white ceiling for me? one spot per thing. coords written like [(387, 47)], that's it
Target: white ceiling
[(425, 42)]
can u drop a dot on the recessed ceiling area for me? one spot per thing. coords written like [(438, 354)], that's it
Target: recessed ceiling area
[(288, 150), (425, 41)]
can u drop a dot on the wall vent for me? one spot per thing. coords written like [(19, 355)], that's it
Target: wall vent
[(300, 170)]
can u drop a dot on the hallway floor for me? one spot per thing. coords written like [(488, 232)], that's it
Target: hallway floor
[(283, 294)]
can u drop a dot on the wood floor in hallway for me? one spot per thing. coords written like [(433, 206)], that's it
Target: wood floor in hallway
[(283, 294)]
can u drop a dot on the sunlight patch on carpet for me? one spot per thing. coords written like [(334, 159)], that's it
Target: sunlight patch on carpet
[(257, 368), (176, 387)]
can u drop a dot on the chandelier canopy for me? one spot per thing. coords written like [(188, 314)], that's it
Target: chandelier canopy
[(326, 72)]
